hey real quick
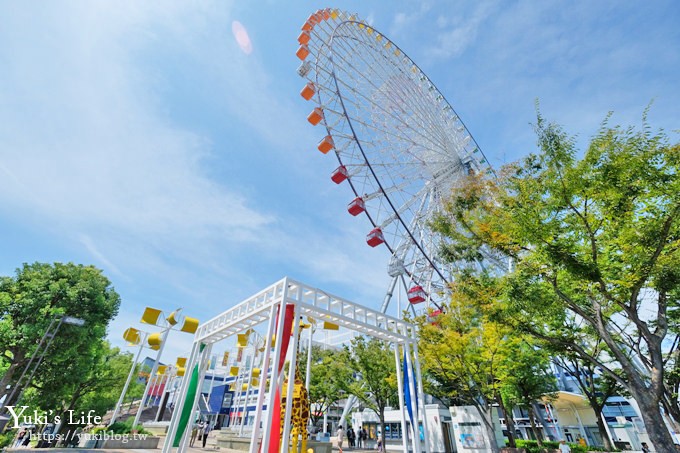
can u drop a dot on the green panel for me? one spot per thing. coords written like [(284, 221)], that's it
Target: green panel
[(188, 404)]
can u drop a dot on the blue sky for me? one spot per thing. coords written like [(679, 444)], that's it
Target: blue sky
[(142, 138)]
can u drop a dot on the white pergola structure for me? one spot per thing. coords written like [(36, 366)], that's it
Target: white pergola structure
[(318, 305)]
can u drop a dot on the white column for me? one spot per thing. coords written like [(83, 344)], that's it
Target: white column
[(414, 397), (263, 382), (273, 381), (580, 423), (421, 393), (244, 417), (400, 390)]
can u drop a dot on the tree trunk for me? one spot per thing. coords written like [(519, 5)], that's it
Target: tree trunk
[(656, 428), (381, 436), (532, 421), (608, 444), (488, 426), (509, 422)]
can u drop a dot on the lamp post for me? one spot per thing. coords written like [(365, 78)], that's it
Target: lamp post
[(153, 316), (134, 337), (39, 354)]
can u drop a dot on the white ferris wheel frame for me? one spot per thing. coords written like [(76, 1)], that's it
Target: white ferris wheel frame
[(401, 143)]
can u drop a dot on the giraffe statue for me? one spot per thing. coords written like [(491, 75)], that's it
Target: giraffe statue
[(299, 416)]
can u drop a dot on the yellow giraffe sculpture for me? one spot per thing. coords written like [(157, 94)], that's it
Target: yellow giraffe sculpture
[(299, 416)]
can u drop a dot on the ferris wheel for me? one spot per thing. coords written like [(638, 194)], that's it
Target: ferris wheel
[(400, 145)]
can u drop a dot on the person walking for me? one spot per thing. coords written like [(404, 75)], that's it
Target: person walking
[(341, 436), (206, 431), (194, 434)]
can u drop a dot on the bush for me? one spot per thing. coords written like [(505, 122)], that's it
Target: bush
[(121, 428), (532, 446), (6, 439)]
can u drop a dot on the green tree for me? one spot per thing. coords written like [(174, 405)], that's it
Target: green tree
[(375, 383), (97, 388), (594, 242), (468, 359), (527, 379), (327, 381), (31, 299)]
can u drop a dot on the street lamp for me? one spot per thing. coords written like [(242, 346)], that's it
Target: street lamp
[(39, 354), (157, 341), (134, 337)]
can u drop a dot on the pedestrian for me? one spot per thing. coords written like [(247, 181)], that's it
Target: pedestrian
[(364, 434), (206, 431), (645, 447), (27, 437), (194, 433), (20, 438), (341, 435), (564, 448), (350, 437)]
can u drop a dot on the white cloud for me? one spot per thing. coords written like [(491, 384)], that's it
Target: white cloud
[(453, 42)]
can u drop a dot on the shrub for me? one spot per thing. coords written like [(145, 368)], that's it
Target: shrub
[(6, 439), (532, 446), (121, 428)]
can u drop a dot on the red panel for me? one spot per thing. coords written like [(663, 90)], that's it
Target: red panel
[(356, 207), (416, 295), (375, 237), (339, 174)]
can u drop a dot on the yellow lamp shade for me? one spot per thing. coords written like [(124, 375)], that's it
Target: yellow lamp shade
[(254, 382), (242, 341), (155, 340), (232, 387), (190, 325), (181, 361), (150, 316), (330, 326), (180, 371), (132, 336), (162, 369), (244, 387), (225, 358), (174, 318), (256, 372), (155, 347), (233, 371)]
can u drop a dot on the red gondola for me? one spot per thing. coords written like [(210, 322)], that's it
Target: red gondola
[(416, 295), (375, 237), (356, 207), (339, 174)]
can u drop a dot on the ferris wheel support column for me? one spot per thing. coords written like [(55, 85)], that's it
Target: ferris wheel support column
[(388, 296)]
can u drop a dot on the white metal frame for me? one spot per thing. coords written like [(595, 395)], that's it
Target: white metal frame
[(263, 307)]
